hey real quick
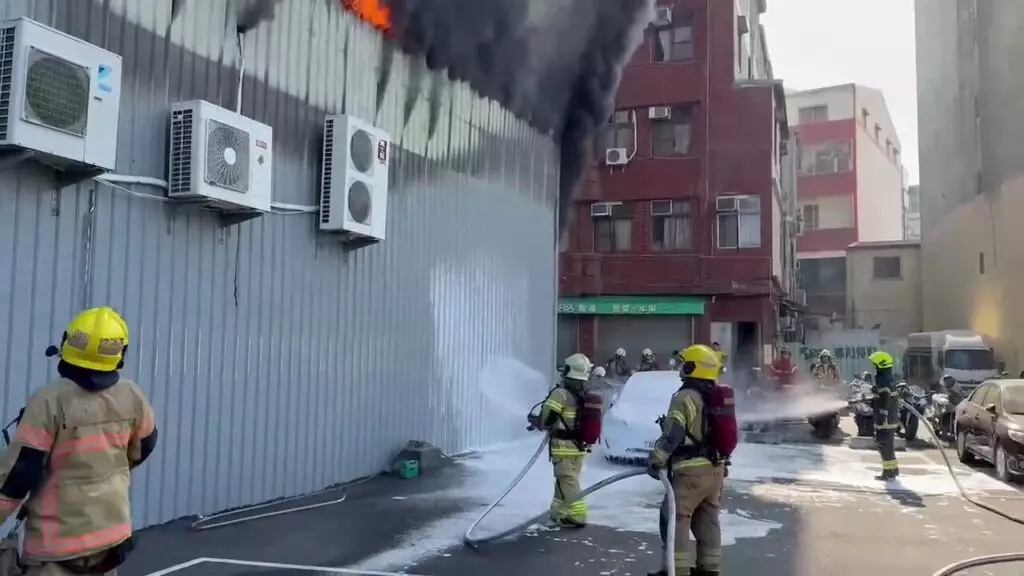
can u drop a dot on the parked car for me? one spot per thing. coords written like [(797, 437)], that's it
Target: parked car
[(990, 427)]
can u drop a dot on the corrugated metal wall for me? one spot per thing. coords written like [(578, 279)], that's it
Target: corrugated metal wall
[(277, 363)]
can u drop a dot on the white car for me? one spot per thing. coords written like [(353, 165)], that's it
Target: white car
[(630, 428)]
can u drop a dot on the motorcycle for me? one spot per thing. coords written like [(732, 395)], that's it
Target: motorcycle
[(920, 400), (941, 412), (861, 398), (825, 425)]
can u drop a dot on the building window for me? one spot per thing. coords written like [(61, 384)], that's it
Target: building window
[(673, 136), (619, 132), (825, 158), (813, 114), (739, 221), (896, 156), (864, 117), (888, 148), (613, 227), (878, 132), (811, 213), (671, 225), (914, 201), (981, 262), (674, 43), (886, 267)]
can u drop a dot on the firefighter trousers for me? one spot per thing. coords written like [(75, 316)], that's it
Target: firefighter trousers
[(698, 495), (885, 438), (567, 471)]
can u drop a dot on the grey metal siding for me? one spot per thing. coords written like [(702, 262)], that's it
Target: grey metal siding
[(277, 363)]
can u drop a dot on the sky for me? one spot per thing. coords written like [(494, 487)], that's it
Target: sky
[(815, 43)]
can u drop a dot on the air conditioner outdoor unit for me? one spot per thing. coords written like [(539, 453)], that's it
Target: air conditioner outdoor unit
[(219, 157), (354, 183), (600, 209), (725, 204), (616, 157), (59, 98), (659, 112), (662, 15), (661, 207)]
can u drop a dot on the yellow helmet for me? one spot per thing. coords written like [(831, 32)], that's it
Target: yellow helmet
[(95, 340), (701, 362), (881, 359)]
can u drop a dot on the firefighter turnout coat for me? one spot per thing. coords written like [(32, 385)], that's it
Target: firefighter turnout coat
[(90, 441)]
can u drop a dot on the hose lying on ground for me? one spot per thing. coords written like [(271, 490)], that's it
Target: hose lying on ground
[(988, 560), (669, 551)]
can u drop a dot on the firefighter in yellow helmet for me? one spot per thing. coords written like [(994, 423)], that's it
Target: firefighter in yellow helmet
[(557, 417), (69, 464), (696, 480), (886, 406)]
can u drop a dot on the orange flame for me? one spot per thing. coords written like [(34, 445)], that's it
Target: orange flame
[(373, 12)]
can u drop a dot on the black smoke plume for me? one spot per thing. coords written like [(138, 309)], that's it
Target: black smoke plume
[(554, 63)]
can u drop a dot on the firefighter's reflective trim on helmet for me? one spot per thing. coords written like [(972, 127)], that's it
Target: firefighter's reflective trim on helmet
[(95, 340)]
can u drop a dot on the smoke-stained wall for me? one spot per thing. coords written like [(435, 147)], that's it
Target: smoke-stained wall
[(277, 362)]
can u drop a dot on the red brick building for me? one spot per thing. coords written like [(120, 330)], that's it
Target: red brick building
[(681, 232)]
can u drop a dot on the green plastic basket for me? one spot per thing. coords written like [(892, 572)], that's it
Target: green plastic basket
[(407, 469)]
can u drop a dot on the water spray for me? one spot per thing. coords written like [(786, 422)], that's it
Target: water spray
[(669, 549)]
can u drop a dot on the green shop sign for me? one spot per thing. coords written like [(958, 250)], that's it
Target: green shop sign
[(655, 306)]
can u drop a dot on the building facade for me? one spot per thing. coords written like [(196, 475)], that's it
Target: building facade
[(850, 184), (970, 116), (912, 214), (278, 361), (683, 228), (883, 287)]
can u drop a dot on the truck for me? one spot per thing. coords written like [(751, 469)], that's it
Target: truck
[(962, 354)]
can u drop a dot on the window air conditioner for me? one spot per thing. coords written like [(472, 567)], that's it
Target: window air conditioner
[(600, 210), (659, 113)]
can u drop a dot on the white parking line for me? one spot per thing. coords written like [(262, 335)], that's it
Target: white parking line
[(299, 567)]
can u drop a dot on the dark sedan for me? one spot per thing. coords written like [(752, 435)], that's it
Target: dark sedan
[(990, 427)]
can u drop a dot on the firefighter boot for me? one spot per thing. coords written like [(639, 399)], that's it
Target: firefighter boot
[(700, 571)]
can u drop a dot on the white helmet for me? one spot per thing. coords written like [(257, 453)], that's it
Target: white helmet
[(598, 372), (620, 352), (825, 353), (578, 367), (647, 353)]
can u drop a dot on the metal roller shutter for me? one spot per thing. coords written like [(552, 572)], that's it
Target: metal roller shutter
[(662, 334), (568, 336)]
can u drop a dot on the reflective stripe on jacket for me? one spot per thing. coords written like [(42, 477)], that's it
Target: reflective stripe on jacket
[(686, 409), (886, 402), (563, 403), (91, 436)]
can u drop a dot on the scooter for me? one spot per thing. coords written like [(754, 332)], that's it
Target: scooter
[(941, 412), (916, 397), (860, 401), (825, 425)]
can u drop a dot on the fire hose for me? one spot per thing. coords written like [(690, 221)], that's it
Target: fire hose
[(473, 542), (988, 560)]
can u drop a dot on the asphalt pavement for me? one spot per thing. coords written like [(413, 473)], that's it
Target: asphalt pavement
[(817, 528)]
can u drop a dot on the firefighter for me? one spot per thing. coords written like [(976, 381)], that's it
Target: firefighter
[(886, 406), (722, 356), (696, 480), (648, 362), (69, 464), (783, 369), (673, 360), (558, 417), (826, 369), (617, 365)]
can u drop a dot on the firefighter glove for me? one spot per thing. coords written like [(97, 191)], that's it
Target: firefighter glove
[(654, 469)]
